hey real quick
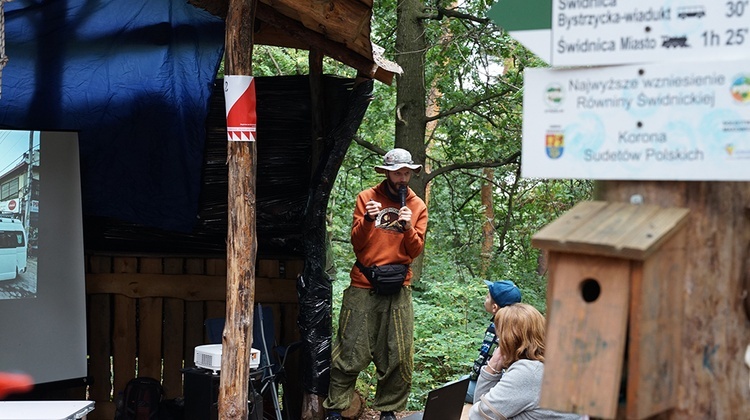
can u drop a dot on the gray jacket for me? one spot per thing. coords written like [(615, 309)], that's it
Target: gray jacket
[(513, 395)]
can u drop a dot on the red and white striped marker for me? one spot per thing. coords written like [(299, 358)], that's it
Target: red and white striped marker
[(239, 95)]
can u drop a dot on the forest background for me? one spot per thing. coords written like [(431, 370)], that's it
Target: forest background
[(458, 109)]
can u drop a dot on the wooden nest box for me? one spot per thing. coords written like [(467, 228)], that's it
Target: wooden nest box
[(616, 272)]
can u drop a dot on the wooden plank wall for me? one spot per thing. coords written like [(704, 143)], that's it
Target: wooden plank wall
[(146, 315)]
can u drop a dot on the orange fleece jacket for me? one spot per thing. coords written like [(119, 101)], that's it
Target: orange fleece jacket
[(384, 241)]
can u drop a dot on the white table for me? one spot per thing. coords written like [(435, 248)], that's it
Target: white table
[(44, 410)]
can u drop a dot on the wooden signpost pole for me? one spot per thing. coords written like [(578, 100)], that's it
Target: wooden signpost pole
[(712, 376), (241, 232)]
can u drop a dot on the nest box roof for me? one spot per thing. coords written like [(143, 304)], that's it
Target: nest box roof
[(611, 229)]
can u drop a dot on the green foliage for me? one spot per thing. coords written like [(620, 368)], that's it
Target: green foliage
[(449, 326), (280, 61), (475, 71)]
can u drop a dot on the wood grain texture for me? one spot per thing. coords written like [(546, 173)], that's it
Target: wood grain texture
[(174, 356), (146, 303), (99, 346), (715, 331), (611, 229), (586, 333), (123, 342), (654, 346)]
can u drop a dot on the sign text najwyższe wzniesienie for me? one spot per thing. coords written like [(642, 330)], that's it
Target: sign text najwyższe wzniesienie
[(644, 122)]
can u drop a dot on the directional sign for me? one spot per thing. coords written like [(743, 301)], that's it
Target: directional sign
[(649, 122), (605, 32), (593, 32)]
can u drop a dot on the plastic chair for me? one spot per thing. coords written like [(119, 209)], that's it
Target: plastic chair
[(272, 356)]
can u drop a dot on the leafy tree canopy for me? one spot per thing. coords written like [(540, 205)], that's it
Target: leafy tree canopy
[(473, 73)]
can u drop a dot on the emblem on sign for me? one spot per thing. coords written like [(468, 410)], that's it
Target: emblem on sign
[(740, 89), (555, 144), (554, 95)]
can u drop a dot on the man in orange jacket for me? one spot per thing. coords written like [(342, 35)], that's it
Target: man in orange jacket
[(376, 323)]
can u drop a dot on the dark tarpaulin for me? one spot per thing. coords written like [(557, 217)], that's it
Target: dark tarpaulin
[(283, 181), (134, 78)]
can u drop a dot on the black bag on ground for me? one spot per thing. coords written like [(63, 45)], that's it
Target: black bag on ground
[(385, 279), (140, 400)]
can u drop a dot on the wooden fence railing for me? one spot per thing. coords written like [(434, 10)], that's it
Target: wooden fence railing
[(146, 315)]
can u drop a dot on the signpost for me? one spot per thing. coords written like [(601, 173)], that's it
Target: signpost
[(664, 121), (606, 32), (638, 122), (675, 108)]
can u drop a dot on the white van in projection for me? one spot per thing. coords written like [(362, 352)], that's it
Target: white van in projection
[(12, 248)]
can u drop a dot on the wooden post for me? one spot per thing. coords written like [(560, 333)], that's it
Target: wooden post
[(715, 328), (241, 234), (317, 106), (312, 404)]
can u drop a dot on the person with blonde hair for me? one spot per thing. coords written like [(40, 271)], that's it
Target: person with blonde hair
[(510, 384)]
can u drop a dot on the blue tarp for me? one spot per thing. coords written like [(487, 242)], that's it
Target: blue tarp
[(134, 78)]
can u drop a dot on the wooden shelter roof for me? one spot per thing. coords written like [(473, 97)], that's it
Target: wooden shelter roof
[(339, 29)]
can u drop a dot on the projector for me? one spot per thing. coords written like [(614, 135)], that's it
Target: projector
[(209, 357)]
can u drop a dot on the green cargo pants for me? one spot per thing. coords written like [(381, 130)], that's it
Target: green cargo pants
[(377, 329)]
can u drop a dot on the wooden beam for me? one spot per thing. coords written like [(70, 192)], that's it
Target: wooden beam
[(317, 102), (188, 287), (342, 21), (242, 241), (339, 29), (318, 41)]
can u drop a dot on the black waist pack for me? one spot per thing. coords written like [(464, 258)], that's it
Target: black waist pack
[(385, 279)]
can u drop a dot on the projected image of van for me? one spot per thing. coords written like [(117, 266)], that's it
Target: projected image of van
[(13, 253), (42, 263), (19, 213)]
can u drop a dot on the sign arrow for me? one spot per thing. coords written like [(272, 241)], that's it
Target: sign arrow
[(528, 21)]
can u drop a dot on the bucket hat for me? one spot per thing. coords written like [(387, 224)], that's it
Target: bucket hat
[(503, 292), (397, 159)]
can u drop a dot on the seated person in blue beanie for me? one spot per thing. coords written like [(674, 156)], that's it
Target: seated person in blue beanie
[(499, 294)]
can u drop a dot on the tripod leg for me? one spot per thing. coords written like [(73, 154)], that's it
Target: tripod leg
[(275, 396)]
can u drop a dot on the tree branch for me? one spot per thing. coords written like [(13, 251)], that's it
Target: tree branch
[(369, 146), (458, 15), (452, 13), (464, 108), (447, 168), (472, 165)]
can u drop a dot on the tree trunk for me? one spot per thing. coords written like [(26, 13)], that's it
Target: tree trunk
[(411, 93), (713, 377), (488, 227), (241, 235)]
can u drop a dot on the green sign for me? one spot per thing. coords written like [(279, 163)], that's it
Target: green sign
[(522, 15)]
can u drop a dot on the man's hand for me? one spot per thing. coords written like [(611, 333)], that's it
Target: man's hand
[(373, 208), (404, 216)]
